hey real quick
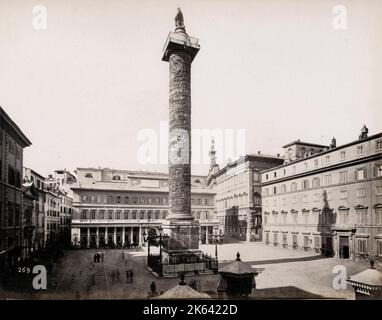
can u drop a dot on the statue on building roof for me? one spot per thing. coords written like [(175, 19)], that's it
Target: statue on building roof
[(364, 132)]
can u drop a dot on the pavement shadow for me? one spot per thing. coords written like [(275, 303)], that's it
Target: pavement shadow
[(288, 292), (284, 260)]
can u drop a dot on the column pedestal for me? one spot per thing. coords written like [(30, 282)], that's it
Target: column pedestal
[(183, 241)]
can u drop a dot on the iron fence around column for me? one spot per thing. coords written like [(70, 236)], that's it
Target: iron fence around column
[(204, 264)]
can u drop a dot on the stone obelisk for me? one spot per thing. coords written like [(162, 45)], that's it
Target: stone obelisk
[(180, 50)]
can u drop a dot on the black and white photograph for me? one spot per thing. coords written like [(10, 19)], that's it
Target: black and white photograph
[(190, 150)]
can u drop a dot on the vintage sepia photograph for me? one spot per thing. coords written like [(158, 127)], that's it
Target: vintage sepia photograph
[(190, 150)]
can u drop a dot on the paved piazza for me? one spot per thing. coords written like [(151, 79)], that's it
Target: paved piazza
[(284, 274)]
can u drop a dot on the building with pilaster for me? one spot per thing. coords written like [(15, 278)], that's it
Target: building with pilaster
[(32, 177), (326, 198), (118, 206), (238, 194), (12, 143)]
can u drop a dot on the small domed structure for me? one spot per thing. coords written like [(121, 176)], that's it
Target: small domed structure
[(367, 284)]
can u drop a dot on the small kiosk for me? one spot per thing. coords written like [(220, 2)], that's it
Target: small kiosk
[(367, 284), (237, 279)]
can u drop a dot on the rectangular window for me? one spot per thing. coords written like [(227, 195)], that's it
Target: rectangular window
[(285, 241), (327, 159), (306, 241), (119, 199), (343, 194), (305, 165), (343, 155), (101, 214), (317, 242), (127, 200), (361, 193), (274, 190), (118, 215), (343, 177), (327, 179), (379, 248), (267, 237), (275, 240), (316, 182), (283, 188), (360, 150), (361, 216), (265, 219), (378, 144), (294, 186), (294, 237), (83, 214), (126, 215), (110, 212), (378, 170), (360, 174), (305, 184), (316, 162), (362, 246), (378, 216), (93, 214)]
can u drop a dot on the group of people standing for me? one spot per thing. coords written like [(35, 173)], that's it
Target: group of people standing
[(98, 257)]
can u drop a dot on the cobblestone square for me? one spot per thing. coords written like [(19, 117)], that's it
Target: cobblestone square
[(285, 274)]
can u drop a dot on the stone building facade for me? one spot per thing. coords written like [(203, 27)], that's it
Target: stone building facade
[(31, 177), (119, 206), (238, 194), (327, 200), (12, 143)]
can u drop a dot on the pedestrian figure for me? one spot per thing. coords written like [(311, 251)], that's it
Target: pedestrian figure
[(127, 276), (102, 256), (153, 288), (131, 275), (117, 274), (123, 255), (95, 258)]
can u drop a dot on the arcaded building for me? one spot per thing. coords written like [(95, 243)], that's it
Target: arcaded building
[(119, 206), (326, 198)]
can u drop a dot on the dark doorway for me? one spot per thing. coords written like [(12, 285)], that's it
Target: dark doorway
[(344, 247)]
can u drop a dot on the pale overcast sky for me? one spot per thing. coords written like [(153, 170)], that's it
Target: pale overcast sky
[(83, 89)]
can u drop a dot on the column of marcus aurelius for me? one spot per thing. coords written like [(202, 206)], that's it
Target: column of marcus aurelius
[(183, 231)]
